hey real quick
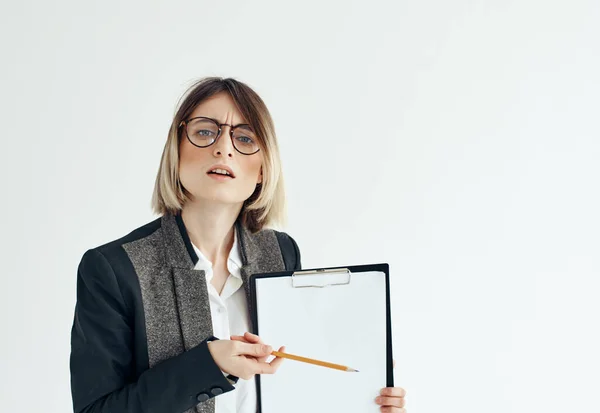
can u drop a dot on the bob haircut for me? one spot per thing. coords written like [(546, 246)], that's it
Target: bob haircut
[(266, 206)]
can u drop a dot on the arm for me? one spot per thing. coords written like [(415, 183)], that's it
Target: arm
[(101, 360)]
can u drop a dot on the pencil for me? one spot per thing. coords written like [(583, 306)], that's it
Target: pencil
[(313, 361)]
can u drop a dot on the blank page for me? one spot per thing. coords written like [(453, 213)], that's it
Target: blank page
[(342, 324)]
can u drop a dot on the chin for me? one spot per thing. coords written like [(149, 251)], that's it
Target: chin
[(219, 196)]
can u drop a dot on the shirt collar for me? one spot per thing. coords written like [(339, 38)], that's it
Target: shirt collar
[(234, 261), (234, 256)]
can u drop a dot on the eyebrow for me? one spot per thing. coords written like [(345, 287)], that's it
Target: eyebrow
[(233, 126), (244, 126)]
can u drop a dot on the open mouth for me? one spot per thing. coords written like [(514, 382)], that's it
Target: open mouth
[(221, 172)]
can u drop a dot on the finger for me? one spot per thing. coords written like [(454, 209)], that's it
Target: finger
[(393, 392), (254, 350), (238, 338), (276, 362), (392, 410), (390, 401), (253, 338), (268, 368), (265, 358)]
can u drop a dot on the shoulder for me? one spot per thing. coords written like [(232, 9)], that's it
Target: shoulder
[(289, 250), (110, 248), (112, 255), (266, 240)]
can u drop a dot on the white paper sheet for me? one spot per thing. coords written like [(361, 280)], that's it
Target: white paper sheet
[(342, 324)]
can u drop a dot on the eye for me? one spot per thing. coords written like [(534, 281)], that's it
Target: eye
[(205, 133), (244, 139)]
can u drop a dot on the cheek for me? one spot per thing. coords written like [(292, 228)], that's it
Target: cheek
[(190, 162), (251, 170), (186, 153)]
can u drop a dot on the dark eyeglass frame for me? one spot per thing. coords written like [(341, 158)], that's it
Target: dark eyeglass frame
[(219, 126)]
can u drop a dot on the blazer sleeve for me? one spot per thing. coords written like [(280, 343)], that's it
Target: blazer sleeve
[(102, 363)]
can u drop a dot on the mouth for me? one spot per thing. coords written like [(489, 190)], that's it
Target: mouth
[(221, 173)]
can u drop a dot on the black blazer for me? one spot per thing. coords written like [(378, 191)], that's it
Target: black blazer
[(142, 319)]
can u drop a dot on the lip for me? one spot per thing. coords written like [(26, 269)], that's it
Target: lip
[(221, 166)]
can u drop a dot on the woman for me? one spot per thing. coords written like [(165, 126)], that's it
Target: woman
[(161, 321)]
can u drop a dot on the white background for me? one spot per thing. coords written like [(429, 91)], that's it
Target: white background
[(456, 140)]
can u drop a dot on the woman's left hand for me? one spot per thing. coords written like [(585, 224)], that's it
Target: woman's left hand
[(391, 399)]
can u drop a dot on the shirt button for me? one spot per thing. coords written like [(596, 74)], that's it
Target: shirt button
[(220, 309)]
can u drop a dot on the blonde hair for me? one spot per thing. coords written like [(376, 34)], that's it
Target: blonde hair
[(266, 206)]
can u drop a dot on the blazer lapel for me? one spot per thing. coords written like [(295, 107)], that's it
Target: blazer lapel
[(260, 253), (193, 304), (191, 294)]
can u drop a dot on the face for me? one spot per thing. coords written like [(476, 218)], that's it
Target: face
[(196, 164)]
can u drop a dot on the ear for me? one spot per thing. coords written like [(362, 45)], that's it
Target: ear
[(260, 176)]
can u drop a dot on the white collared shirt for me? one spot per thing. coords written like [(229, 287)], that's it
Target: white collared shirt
[(229, 312)]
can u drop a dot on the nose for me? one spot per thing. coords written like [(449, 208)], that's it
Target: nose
[(223, 145)]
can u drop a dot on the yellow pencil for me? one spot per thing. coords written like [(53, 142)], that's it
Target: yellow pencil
[(312, 361)]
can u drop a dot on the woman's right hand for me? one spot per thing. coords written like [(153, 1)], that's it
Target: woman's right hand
[(243, 359)]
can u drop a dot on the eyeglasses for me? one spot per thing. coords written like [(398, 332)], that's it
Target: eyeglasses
[(203, 132)]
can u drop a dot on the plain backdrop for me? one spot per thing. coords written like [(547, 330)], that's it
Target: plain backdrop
[(459, 141)]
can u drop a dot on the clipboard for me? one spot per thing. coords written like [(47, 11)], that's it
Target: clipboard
[(338, 314)]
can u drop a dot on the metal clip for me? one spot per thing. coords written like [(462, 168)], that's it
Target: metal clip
[(321, 278)]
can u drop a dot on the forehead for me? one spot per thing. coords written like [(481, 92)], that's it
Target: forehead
[(220, 107)]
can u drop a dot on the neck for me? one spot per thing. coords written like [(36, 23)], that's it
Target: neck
[(211, 227)]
